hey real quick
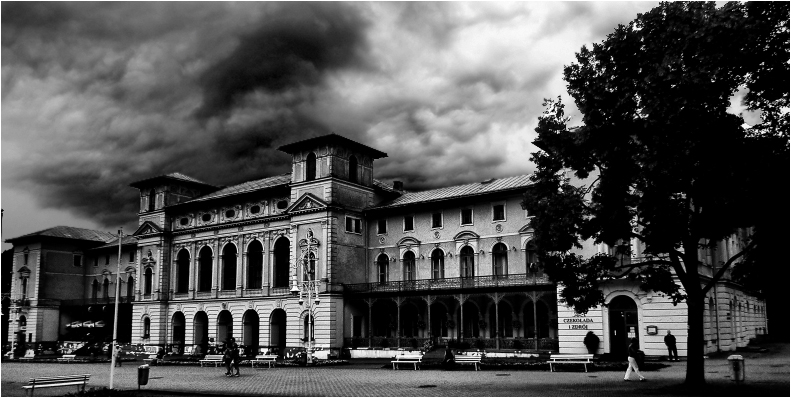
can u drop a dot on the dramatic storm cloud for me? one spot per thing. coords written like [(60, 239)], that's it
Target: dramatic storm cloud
[(98, 95)]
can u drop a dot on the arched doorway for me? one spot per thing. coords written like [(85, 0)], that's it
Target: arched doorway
[(200, 331), (281, 270), (224, 326), (250, 324), (384, 314), (623, 325), (505, 320), (178, 334), (277, 330), (439, 320), (470, 315), (409, 320)]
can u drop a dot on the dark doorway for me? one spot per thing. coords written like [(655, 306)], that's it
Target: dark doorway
[(178, 332), (623, 325), (281, 270), (277, 330)]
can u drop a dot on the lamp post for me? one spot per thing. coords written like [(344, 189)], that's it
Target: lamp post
[(308, 289)]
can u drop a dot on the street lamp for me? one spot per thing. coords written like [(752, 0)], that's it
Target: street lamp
[(308, 289)]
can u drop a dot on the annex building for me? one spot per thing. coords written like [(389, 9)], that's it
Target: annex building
[(329, 256)]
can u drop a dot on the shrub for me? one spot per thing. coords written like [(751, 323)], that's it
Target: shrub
[(518, 344), (480, 344), (384, 343), (413, 343)]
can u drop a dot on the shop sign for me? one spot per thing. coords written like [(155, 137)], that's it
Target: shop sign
[(577, 322)]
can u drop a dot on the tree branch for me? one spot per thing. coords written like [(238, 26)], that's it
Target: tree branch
[(587, 191), (640, 264), (727, 265), (676, 262)]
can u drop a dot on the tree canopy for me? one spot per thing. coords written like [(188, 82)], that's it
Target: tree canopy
[(672, 166)]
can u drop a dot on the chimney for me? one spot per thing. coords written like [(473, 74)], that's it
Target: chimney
[(398, 186)]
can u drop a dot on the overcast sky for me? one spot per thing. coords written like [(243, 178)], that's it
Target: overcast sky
[(98, 95)]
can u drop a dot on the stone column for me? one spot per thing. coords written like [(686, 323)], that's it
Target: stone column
[(215, 268), (241, 267), (193, 272), (266, 265)]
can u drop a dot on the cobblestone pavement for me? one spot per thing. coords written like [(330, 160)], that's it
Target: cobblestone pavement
[(766, 375)]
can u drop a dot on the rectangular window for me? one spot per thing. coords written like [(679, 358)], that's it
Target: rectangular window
[(409, 223), (436, 220), (381, 227), (498, 213), (25, 260), (96, 261), (354, 225), (77, 260), (132, 256), (466, 216), (107, 259)]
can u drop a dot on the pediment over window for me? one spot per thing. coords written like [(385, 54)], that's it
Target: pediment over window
[(147, 228), (466, 235), (527, 229), (408, 241), (307, 202), (24, 270)]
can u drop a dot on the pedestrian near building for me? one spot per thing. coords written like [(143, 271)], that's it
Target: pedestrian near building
[(634, 354), (231, 358), (117, 354), (672, 351)]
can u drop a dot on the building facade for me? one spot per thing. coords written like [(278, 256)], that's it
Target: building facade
[(329, 257)]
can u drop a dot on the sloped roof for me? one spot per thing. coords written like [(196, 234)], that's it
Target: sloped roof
[(383, 186), (249, 186), (69, 233), (477, 188), (127, 240), (332, 139), (172, 176)]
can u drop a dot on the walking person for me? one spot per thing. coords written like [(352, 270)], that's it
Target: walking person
[(672, 351), (634, 353), (232, 358), (117, 355)]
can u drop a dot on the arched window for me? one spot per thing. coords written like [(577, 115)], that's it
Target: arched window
[(353, 169), (130, 286), (409, 266), (531, 257), (467, 257), (149, 280), (95, 289), (229, 267), (437, 264), (310, 167), (146, 327), (205, 271), (500, 254), (282, 266), (255, 265), (309, 268), (152, 200), (183, 271), (22, 322), (381, 267), (23, 282), (308, 328), (106, 288)]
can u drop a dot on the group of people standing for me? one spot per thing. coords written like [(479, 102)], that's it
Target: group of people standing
[(231, 358)]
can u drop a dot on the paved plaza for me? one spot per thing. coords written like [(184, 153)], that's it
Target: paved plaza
[(767, 374)]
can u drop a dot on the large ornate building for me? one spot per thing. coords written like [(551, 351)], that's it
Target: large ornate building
[(330, 256)]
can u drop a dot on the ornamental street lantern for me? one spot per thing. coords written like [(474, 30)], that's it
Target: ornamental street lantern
[(308, 289)]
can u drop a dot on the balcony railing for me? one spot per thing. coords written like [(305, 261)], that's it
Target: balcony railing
[(99, 300), (488, 281)]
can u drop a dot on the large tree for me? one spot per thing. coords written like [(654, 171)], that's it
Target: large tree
[(671, 166)]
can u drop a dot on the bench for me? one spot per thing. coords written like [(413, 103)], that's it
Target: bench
[(570, 358), (57, 381), (407, 358), (473, 359), (216, 359), (29, 354), (269, 359), (151, 360), (68, 358)]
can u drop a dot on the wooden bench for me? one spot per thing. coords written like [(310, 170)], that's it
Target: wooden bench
[(269, 359), (407, 357), (151, 360), (57, 381), (473, 359), (216, 359), (570, 358), (67, 358)]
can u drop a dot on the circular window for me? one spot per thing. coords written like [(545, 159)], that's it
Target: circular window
[(282, 204), (206, 217), (255, 209), (230, 214), (184, 221)]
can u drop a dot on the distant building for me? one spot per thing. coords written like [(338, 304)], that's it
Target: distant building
[(390, 268)]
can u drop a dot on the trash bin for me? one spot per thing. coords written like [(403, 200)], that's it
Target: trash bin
[(737, 368), (142, 375)]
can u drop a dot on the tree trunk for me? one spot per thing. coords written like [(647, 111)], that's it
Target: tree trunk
[(695, 365)]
